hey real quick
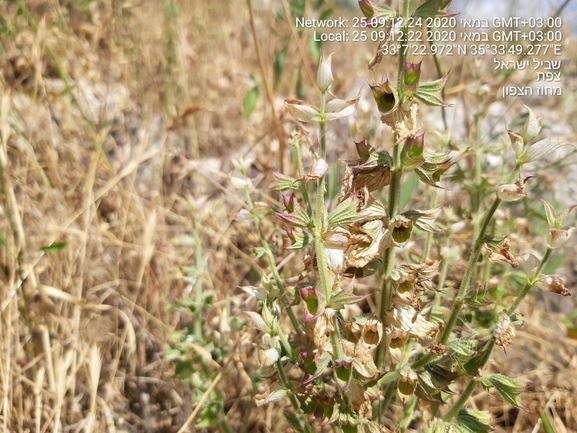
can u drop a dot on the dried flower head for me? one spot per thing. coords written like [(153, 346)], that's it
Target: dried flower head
[(403, 120), (557, 238), (371, 171), (513, 192), (504, 330), (500, 251), (552, 283), (405, 321)]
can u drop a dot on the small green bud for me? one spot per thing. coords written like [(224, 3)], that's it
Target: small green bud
[(411, 77), (367, 8), (412, 154)]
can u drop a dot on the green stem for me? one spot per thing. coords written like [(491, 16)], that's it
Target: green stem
[(198, 283), (319, 230), (319, 213), (335, 339), (391, 377), (429, 240), (488, 349), (442, 277), (403, 49), (272, 262), (389, 255), (530, 283), (394, 198), (476, 193), (408, 414), (301, 170), (440, 73), (461, 401), (465, 284), (290, 393), (387, 397), (285, 344), (224, 424)]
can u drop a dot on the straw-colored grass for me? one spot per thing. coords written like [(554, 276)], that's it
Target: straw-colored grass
[(111, 111)]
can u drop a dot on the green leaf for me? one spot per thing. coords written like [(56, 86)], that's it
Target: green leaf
[(438, 427), (553, 264), (435, 165), (431, 92), (283, 182), (349, 428), (314, 368), (297, 7), (315, 49), (547, 424), (301, 239), (407, 191), (463, 350), (278, 65), (344, 213), (427, 390), (476, 297), (308, 406), (54, 247), (182, 304), (343, 298), (472, 366), (326, 13), (294, 421), (509, 388), (250, 101), (453, 428), (474, 421), (259, 252), (432, 8), (441, 377), (550, 213)]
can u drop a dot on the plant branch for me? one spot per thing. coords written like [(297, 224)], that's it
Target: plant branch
[(323, 269), (488, 349), (271, 261)]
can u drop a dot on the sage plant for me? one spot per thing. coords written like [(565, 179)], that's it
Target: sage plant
[(413, 347)]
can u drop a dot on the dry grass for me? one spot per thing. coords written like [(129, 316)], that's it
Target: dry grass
[(109, 112)]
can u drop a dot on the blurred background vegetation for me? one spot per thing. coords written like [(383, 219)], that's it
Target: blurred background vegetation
[(121, 252)]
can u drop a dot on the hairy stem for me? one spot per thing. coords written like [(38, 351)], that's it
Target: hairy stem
[(389, 256), (320, 229), (465, 284), (291, 395), (272, 263), (301, 171), (488, 349), (394, 198), (429, 239)]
